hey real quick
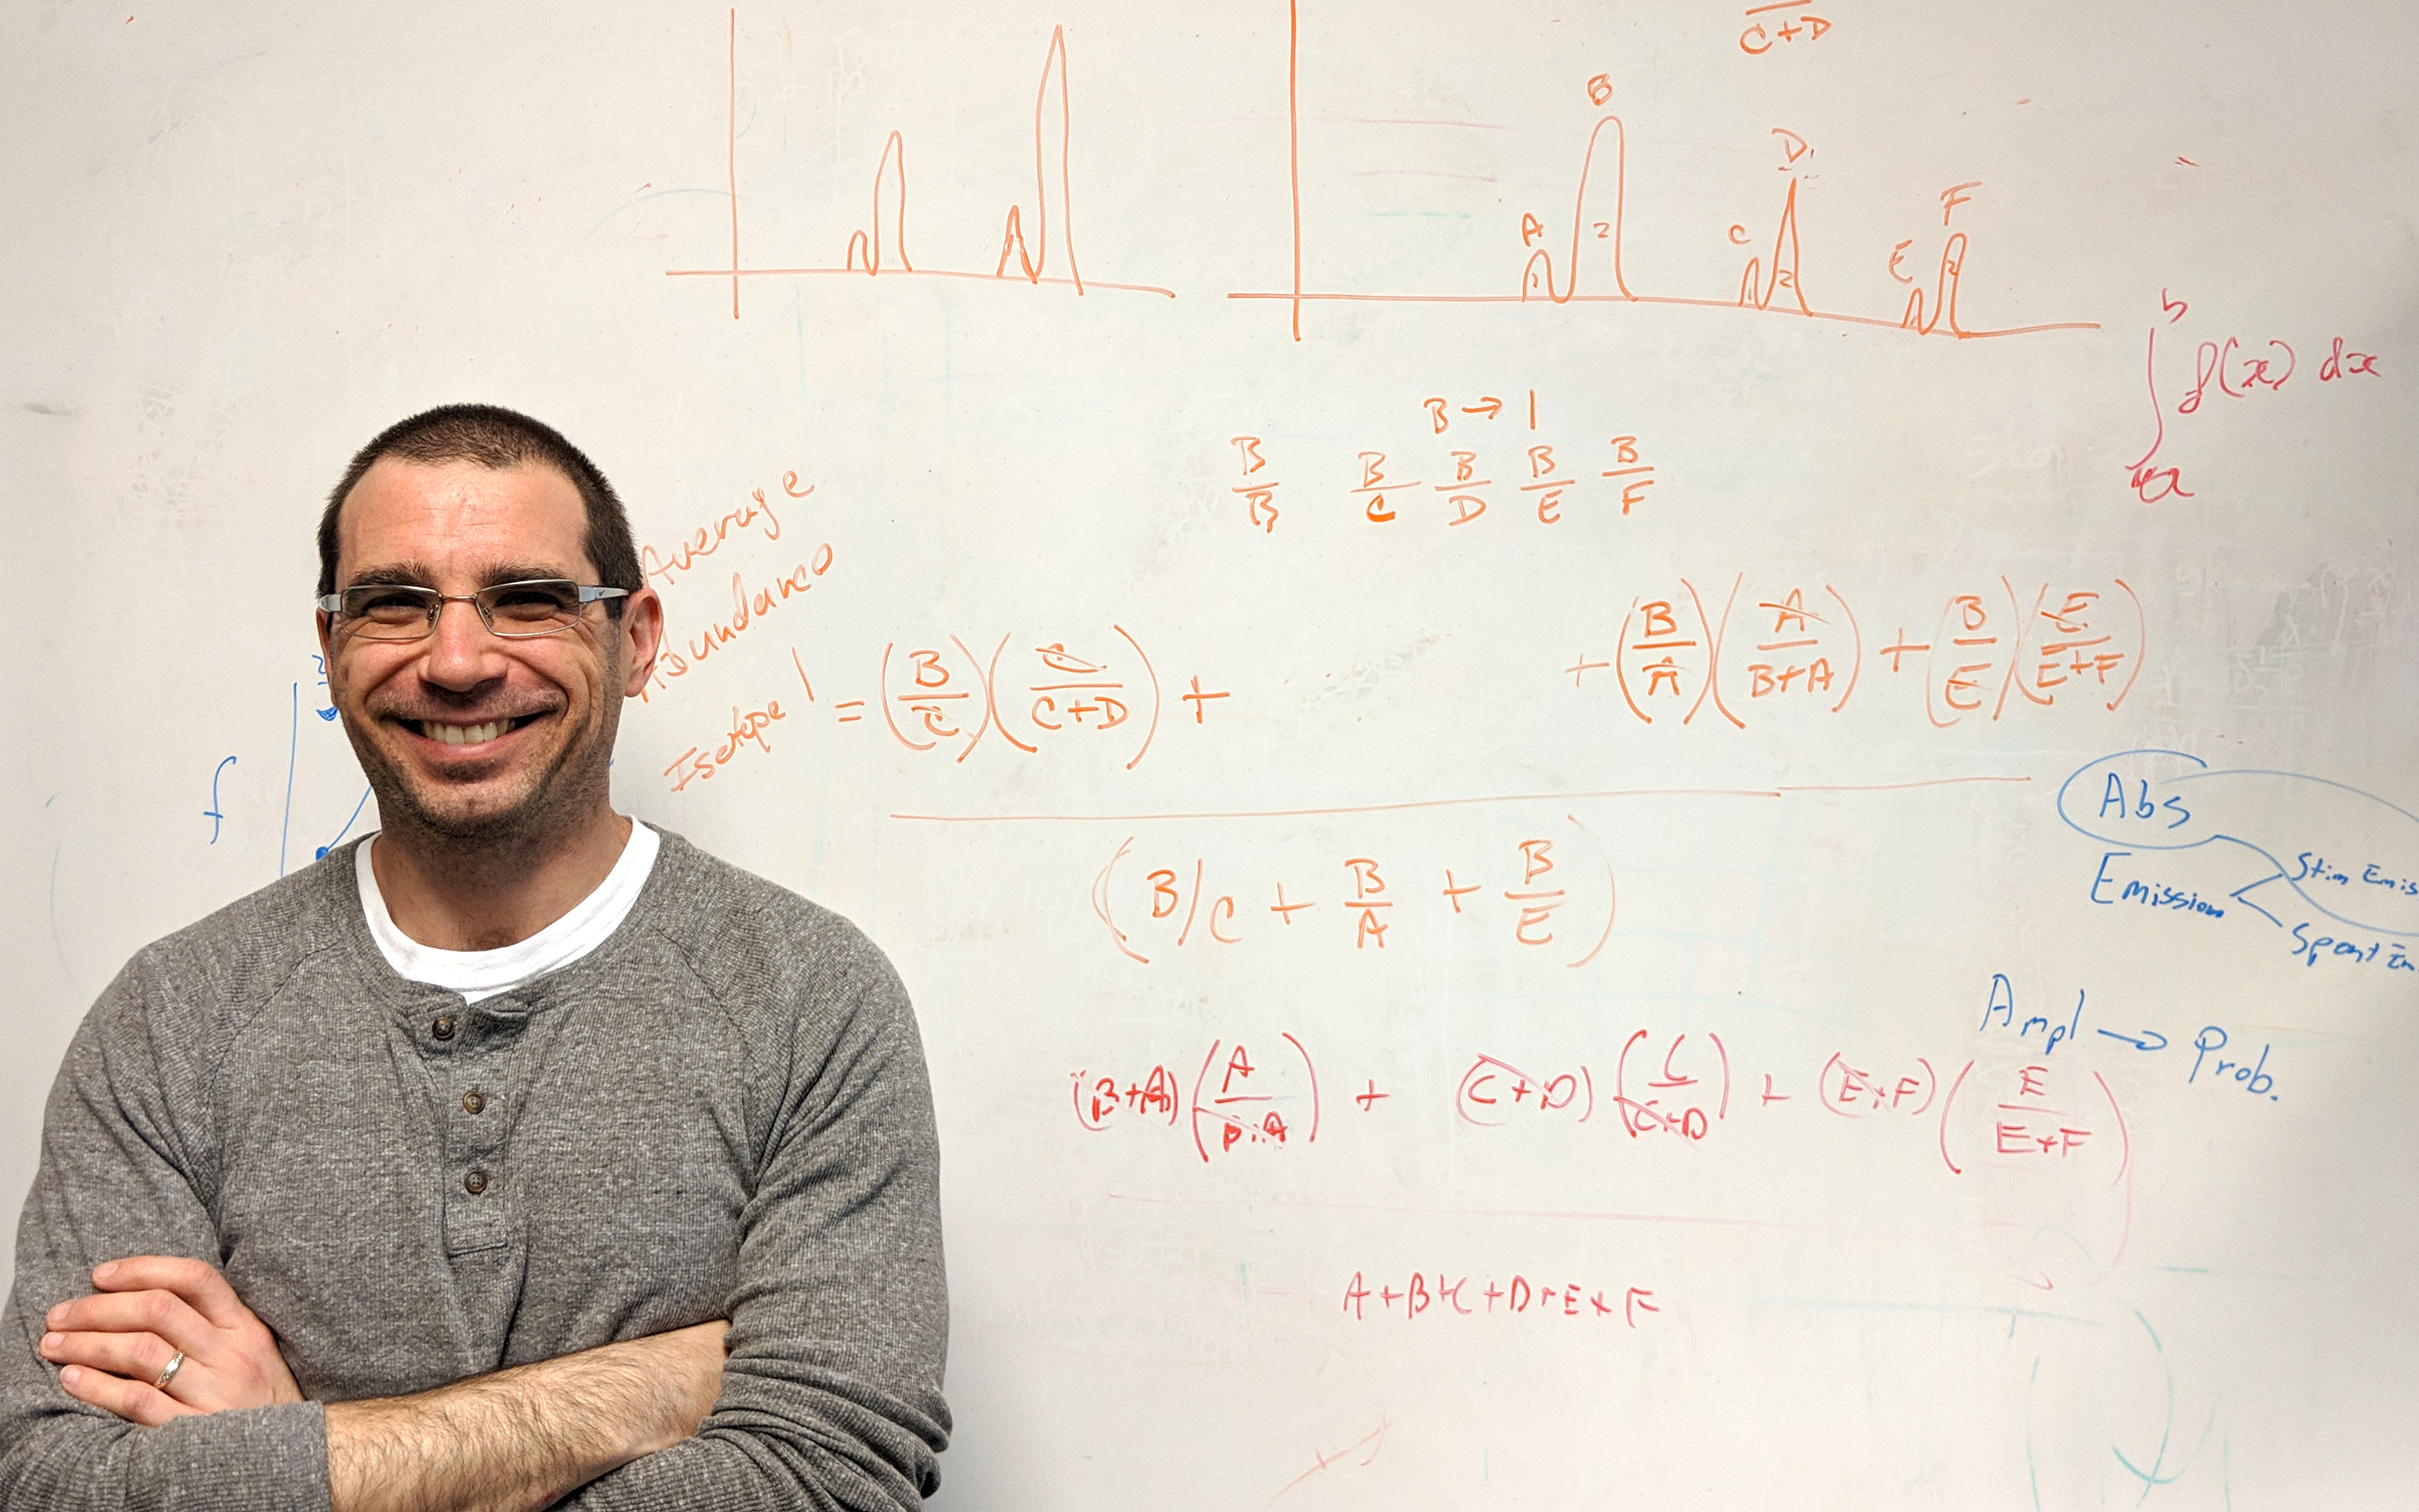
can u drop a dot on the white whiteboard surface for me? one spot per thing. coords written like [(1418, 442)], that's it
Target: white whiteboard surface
[(1886, 418)]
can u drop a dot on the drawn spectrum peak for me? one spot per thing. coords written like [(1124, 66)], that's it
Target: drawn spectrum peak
[(879, 248), (1590, 269)]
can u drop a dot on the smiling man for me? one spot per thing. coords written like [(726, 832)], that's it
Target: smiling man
[(518, 1154)]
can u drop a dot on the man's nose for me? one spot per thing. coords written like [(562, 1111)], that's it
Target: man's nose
[(461, 652)]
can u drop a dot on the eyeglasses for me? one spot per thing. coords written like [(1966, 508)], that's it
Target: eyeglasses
[(514, 611)]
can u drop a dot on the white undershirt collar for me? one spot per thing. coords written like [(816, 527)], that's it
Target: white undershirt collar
[(479, 974)]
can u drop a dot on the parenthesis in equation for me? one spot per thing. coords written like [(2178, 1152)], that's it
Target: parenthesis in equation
[(886, 717), (1463, 1095), (1713, 630), (1101, 903), (1931, 655), (2124, 1170), (1856, 665), (1621, 663), (1076, 1088), (1724, 1051), (1822, 1086), (1931, 1086), (2016, 655), (1621, 1084), (1612, 898), (1949, 1103), (1198, 1080), (991, 691), (1313, 1085), (1153, 730), (1589, 1081), (990, 710), (2126, 1135), (2141, 643)]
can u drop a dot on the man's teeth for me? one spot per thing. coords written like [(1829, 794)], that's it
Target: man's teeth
[(464, 734)]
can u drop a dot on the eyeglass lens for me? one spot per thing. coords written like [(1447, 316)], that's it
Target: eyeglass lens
[(394, 611)]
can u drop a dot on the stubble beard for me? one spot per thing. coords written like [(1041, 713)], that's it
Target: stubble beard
[(558, 795)]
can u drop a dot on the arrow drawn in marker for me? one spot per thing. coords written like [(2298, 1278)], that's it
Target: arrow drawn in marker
[(2151, 1040)]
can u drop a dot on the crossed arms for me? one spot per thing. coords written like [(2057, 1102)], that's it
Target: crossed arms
[(512, 1442)]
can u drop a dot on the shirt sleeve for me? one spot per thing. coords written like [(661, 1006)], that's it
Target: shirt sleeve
[(116, 1179), (831, 1395)]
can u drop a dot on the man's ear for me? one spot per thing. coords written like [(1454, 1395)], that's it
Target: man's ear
[(642, 638)]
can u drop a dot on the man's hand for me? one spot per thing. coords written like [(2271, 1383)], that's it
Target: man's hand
[(114, 1345)]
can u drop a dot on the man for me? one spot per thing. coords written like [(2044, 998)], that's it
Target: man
[(432, 1175)]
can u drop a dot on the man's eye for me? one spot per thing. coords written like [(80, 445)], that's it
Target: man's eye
[(525, 601), (390, 605)]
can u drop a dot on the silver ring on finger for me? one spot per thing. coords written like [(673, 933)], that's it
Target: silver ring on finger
[(168, 1372)]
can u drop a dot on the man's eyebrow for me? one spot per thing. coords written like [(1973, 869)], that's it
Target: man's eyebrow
[(420, 574), (507, 572), (394, 575)]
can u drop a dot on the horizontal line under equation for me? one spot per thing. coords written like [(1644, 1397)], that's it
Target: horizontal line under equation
[(1587, 1215), (1781, 790)]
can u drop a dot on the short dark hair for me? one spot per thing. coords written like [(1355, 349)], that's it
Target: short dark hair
[(498, 438)]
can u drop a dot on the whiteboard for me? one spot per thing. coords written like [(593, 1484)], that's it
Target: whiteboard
[(1624, 755)]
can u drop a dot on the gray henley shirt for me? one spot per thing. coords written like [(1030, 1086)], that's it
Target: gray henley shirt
[(720, 1111)]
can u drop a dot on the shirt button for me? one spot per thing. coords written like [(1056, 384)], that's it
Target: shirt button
[(443, 1027), (475, 1182), (472, 1102)]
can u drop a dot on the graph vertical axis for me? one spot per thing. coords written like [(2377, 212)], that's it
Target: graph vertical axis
[(731, 160), (1293, 143)]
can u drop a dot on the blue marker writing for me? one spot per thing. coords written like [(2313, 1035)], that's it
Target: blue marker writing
[(2149, 1039), (2002, 1006), (2253, 1075), (211, 813), (320, 853)]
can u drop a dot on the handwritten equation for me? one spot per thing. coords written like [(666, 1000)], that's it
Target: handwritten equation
[(1469, 466), (1665, 1088), (1552, 892), (1227, 1108), (943, 699), (1484, 1296), (2013, 1095), (1679, 654), (940, 696), (1780, 24), (2226, 369)]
